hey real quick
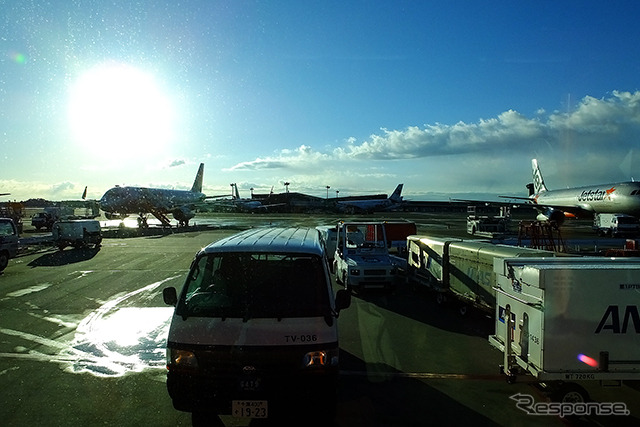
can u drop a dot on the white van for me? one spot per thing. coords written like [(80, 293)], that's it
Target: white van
[(254, 332)]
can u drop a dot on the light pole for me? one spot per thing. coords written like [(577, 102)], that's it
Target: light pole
[(286, 186), (337, 191), (328, 192)]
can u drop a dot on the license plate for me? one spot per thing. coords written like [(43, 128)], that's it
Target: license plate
[(249, 408)]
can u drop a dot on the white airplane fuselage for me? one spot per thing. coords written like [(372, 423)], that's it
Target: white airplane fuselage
[(620, 197), (119, 202), (135, 200), (585, 201)]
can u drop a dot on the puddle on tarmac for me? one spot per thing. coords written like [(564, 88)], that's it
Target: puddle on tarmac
[(114, 340), (125, 341)]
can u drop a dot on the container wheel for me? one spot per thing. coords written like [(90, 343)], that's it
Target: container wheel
[(570, 393)]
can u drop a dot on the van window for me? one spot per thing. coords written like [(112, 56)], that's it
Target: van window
[(6, 229), (255, 285)]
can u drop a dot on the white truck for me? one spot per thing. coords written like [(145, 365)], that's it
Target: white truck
[(362, 260), (616, 224), (78, 233), (564, 320)]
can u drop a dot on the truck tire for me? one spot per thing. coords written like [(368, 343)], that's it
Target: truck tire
[(4, 260)]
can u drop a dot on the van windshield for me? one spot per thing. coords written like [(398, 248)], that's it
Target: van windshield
[(255, 285)]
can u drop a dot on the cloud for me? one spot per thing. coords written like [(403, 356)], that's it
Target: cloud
[(62, 188), (600, 124), (296, 159)]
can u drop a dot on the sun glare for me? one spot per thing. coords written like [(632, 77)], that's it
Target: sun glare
[(119, 107)]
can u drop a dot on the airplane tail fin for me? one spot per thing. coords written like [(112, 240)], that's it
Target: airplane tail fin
[(235, 189), (538, 181), (396, 195), (197, 183), (84, 193)]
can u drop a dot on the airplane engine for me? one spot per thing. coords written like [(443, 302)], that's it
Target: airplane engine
[(183, 214), (552, 215)]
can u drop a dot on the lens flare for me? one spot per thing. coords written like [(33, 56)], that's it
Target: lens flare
[(18, 58), (588, 360)]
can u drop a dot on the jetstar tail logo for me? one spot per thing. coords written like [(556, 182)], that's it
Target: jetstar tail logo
[(596, 195)]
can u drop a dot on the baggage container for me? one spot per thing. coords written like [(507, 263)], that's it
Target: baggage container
[(568, 319)]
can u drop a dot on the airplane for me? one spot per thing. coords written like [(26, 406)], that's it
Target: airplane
[(371, 205), (580, 202), (244, 205), (119, 202)]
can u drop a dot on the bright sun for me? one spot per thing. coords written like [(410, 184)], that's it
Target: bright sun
[(120, 107)]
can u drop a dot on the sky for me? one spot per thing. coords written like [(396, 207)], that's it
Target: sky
[(452, 99)]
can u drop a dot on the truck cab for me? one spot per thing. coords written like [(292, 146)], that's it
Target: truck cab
[(8, 241), (362, 260)]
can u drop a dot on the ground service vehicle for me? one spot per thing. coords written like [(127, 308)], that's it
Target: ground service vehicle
[(396, 233), (8, 241), (488, 225), (616, 225), (42, 220), (568, 319), (77, 233), (254, 332), (460, 269), (50, 215), (362, 258)]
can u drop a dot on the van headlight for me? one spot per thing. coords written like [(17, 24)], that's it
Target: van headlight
[(181, 359), (320, 358)]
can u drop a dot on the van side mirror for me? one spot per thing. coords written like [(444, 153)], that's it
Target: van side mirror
[(170, 296), (343, 299)]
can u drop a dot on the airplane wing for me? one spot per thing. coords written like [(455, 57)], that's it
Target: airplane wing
[(527, 202)]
